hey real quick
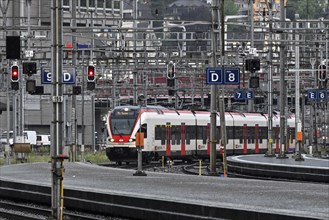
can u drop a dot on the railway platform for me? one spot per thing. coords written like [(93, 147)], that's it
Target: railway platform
[(310, 169), (118, 192)]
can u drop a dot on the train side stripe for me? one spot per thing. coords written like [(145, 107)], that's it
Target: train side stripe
[(245, 130), (168, 138), (183, 145), (256, 139), (277, 146)]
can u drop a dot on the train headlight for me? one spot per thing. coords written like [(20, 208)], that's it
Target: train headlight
[(131, 140), (111, 140)]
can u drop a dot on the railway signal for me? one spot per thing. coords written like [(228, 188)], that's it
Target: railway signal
[(14, 77), (29, 68), (322, 72), (322, 76), (252, 65), (91, 85), (14, 73), (91, 73), (76, 90), (91, 77)]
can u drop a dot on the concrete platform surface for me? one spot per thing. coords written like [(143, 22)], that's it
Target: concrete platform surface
[(310, 169), (291, 198), (309, 162)]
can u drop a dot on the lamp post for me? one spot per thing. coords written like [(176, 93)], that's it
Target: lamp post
[(140, 141), (298, 123)]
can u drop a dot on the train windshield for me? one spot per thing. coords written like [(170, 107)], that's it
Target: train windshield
[(123, 120)]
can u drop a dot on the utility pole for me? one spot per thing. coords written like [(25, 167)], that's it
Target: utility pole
[(222, 97), (74, 99), (4, 8), (270, 152), (135, 11), (57, 99), (213, 113), (298, 123), (251, 106), (282, 154)]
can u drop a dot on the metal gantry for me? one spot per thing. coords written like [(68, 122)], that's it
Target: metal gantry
[(132, 55)]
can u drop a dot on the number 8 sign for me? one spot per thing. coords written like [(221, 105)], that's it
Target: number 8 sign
[(231, 76), (219, 76)]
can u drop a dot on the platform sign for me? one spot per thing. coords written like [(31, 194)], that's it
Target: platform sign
[(239, 94), (322, 95), (68, 76), (242, 94), (83, 46), (222, 76), (312, 94), (250, 94), (231, 76), (317, 95), (214, 76), (45, 77)]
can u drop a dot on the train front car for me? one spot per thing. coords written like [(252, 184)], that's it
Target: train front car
[(121, 123)]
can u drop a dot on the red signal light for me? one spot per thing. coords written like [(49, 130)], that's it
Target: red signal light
[(14, 73), (322, 72), (91, 73)]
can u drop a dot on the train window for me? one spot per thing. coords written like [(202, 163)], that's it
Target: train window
[(144, 129), (175, 135), (160, 134), (200, 133), (229, 132), (157, 132), (178, 128), (121, 126), (205, 134), (187, 134), (251, 135), (163, 135), (190, 133), (238, 134), (194, 131), (262, 131)]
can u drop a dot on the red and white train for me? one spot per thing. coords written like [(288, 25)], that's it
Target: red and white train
[(185, 134)]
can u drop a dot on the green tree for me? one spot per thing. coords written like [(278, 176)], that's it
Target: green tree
[(230, 8), (307, 9), (292, 6)]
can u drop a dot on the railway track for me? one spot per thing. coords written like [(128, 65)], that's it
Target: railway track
[(177, 166), (110, 203), (30, 211)]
